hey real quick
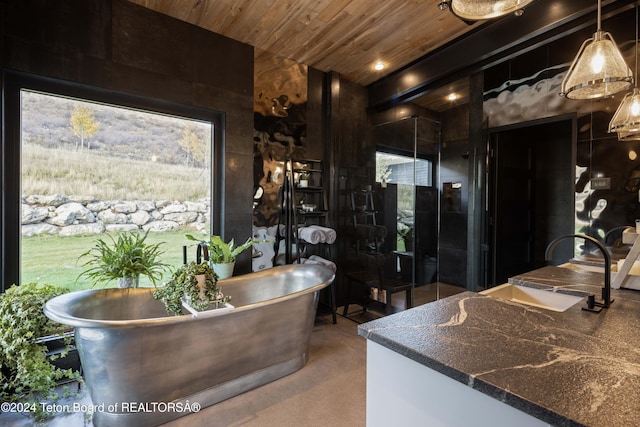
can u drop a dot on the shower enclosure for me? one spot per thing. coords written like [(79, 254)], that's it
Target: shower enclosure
[(407, 182)]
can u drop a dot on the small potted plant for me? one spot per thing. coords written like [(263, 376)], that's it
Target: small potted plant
[(304, 179), (193, 286), (223, 255), (36, 353), (124, 258), (406, 234)]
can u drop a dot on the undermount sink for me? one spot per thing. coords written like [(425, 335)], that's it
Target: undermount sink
[(586, 267), (548, 300), (632, 281)]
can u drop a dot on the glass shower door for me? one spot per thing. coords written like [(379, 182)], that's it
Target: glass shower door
[(406, 170)]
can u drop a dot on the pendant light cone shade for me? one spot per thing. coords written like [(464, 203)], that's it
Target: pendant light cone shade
[(598, 70), (627, 116), (626, 120), (628, 136)]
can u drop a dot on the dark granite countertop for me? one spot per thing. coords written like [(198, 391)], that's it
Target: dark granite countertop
[(567, 368)]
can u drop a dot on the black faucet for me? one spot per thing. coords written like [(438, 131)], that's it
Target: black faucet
[(613, 230), (606, 290), (202, 249)]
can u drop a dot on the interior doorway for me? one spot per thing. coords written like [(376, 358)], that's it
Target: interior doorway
[(530, 194)]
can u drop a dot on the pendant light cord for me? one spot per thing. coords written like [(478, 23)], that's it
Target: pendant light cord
[(599, 15), (636, 45)]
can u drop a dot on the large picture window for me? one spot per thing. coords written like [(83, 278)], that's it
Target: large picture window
[(94, 165)]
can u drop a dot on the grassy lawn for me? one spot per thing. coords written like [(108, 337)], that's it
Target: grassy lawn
[(54, 260)]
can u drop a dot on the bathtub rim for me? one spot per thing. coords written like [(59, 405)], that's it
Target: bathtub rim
[(55, 308)]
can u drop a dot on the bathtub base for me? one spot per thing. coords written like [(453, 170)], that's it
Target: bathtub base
[(138, 417)]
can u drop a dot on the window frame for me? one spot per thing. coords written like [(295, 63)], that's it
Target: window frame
[(10, 155)]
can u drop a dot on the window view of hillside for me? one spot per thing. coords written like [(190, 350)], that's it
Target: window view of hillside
[(402, 171), (91, 169)]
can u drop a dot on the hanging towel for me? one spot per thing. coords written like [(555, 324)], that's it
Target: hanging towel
[(310, 235), (366, 232), (328, 234), (380, 232), (325, 262)]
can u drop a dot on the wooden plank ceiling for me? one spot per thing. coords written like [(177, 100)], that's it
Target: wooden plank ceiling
[(345, 36)]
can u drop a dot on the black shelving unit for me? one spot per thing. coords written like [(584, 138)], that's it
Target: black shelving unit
[(368, 241), (296, 212), (313, 193)]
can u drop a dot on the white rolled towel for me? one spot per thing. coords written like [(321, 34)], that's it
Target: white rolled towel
[(310, 235), (328, 234), (325, 262)]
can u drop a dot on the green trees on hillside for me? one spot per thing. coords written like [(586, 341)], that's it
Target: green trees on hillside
[(194, 146), (56, 122), (83, 124), (383, 170)]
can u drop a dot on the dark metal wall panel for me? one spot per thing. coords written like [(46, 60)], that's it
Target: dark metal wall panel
[(117, 46)]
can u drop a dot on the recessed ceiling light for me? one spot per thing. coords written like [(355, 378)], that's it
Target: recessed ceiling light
[(378, 66), (452, 96)]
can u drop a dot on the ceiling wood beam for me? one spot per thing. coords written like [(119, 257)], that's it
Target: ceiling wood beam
[(488, 45)]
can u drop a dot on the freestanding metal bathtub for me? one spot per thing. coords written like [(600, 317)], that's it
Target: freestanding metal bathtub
[(143, 367)]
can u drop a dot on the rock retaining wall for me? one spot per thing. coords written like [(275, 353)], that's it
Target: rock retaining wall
[(72, 215)]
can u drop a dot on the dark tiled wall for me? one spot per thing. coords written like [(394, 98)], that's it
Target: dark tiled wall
[(352, 156), (118, 46), (454, 168), (316, 123)]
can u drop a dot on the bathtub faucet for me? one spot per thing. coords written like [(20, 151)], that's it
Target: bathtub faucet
[(606, 290), (202, 249)]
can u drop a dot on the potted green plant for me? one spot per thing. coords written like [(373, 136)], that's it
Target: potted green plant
[(192, 284), (31, 369), (125, 258), (406, 233), (223, 255), (304, 179)]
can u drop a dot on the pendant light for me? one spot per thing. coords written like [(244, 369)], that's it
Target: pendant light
[(626, 120), (628, 136), (476, 10), (598, 69)]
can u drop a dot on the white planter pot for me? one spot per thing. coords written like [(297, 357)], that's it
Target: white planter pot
[(223, 271), (216, 310), (128, 282)]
